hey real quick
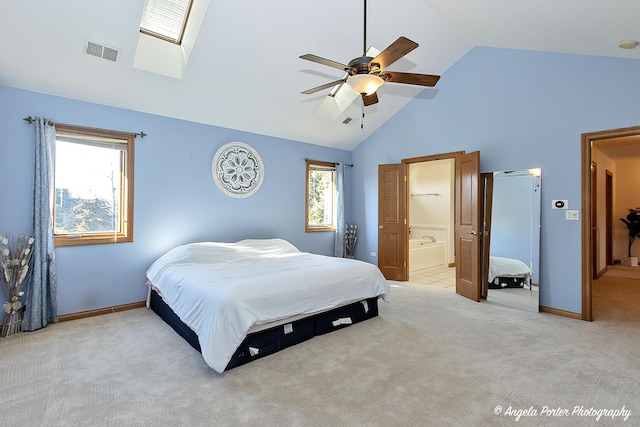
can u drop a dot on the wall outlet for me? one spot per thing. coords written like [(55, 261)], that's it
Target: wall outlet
[(559, 204), (572, 215), (373, 254)]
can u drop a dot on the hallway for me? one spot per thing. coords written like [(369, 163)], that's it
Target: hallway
[(616, 295)]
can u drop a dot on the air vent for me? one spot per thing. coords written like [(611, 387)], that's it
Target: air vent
[(101, 51), (348, 120)]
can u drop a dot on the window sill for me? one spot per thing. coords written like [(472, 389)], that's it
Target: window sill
[(60, 241), (309, 229)]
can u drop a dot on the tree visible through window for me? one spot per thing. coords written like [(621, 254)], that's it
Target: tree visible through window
[(93, 186), (321, 196)]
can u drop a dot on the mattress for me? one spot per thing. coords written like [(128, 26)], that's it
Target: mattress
[(508, 267), (223, 290)]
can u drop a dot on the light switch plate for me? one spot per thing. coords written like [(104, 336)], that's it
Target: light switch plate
[(572, 215)]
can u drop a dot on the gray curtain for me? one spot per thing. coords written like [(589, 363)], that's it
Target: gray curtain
[(41, 300), (340, 221)]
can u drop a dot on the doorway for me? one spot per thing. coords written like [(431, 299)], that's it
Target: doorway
[(431, 216), (431, 220), (621, 143), (393, 224)]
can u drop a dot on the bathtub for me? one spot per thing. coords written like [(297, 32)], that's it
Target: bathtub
[(424, 253)]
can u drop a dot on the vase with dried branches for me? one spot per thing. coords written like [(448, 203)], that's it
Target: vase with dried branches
[(15, 261), (351, 237)]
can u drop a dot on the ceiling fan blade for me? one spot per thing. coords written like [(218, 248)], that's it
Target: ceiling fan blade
[(393, 52), (323, 61), (322, 87), (370, 99), (410, 78)]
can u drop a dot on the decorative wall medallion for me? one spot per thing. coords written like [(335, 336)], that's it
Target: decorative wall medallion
[(237, 169)]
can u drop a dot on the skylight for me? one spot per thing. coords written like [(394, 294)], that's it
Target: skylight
[(165, 19)]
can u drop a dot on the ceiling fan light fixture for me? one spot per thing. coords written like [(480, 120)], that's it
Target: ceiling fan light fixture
[(364, 83)]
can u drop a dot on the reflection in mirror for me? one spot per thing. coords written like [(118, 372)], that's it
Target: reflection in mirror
[(512, 231)]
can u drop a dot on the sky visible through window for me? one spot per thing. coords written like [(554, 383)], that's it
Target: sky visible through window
[(88, 172)]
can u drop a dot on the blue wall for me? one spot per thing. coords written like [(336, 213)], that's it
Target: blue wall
[(520, 109), (176, 200)]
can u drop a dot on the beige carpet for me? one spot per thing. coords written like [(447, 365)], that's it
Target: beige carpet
[(432, 358)]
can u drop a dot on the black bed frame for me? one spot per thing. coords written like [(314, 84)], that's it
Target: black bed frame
[(269, 341), (507, 282)]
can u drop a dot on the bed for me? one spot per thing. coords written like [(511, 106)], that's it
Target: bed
[(237, 302), (508, 273)]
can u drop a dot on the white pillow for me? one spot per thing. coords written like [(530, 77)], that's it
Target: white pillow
[(269, 246)]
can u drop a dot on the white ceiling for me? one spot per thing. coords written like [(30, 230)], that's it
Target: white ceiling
[(244, 72)]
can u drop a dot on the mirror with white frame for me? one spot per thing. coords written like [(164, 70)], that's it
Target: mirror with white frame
[(512, 231)]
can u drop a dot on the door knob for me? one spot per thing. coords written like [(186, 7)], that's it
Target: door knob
[(473, 232), (381, 227)]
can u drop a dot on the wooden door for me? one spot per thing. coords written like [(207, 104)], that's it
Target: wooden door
[(486, 195), (392, 246), (595, 242), (609, 218), (468, 226)]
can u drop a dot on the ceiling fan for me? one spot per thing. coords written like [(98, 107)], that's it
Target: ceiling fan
[(366, 74)]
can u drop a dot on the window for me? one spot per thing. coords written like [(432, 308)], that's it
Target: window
[(93, 186), (321, 196), (165, 19)]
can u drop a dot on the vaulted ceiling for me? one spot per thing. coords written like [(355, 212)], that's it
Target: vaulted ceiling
[(242, 69)]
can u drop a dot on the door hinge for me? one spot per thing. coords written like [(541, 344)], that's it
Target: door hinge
[(405, 221), (405, 178), (405, 265)]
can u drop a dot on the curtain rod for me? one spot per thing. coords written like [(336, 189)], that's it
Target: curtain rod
[(346, 164), (31, 120)]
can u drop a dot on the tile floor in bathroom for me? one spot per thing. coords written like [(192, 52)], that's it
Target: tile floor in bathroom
[(445, 278), (442, 277)]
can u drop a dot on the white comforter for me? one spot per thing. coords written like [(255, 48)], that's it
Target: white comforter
[(220, 290), (508, 267)]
